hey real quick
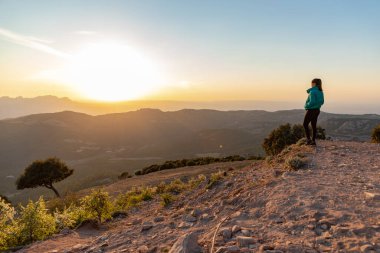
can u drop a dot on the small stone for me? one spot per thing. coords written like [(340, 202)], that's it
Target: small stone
[(65, 231), (324, 227), (266, 247), (372, 196), (186, 243), (159, 219), (190, 218), (246, 232), (366, 248), (245, 241), (233, 249), (236, 229), (137, 221), (146, 226), (184, 224), (318, 231), (143, 249), (196, 212), (226, 233)]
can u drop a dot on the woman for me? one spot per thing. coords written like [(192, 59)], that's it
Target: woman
[(312, 106)]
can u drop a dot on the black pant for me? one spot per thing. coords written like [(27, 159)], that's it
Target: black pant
[(311, 116)]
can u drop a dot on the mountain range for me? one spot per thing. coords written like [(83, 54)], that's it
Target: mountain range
[(100, 147)]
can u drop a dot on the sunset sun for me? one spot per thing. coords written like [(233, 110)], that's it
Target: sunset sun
[(112, 72)]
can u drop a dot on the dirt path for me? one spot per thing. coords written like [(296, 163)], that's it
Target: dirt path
[(331, 205)]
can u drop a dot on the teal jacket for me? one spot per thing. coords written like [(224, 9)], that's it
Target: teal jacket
[(315, 99)]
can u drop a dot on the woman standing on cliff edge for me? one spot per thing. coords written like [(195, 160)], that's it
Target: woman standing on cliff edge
[(312, 106)]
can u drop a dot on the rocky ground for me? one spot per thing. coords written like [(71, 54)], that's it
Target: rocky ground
[(331, 204)]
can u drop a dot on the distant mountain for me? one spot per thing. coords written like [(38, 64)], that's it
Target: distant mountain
[(101, 147)]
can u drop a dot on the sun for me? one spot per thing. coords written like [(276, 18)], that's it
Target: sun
[(112, 72)]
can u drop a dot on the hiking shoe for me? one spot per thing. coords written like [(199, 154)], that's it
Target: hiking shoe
[(312, 143), (308, 142)]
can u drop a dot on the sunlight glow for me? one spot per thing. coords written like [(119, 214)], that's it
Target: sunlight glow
[(112, 72)]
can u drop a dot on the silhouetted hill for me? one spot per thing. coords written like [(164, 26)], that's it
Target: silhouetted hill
[(101, 147)]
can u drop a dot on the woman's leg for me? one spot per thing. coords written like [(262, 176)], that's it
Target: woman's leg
[(306, 122), (314, 120)]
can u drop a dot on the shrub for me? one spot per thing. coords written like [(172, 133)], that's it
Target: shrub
[(214, 179), (70, 199), (295, 163), (286, 135), (97, 205), (375, 136), (7, 213), (194, 182), (124, 175), (176, 186), (69, 217), (166, 199), (35, 222)]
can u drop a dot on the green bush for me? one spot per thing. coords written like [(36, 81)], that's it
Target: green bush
[(187, 162), (69, 217), (214, 179), (166, 199), (375, 136), (97, 205), (35, 223), (7, 214), (286, 135), (295, 163)]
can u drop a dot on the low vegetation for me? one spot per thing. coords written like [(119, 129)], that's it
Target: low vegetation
[(38, 220), (286, 135), (375, 136), (173, 164)]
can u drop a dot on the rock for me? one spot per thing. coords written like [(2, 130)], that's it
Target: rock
[(245, 241), (372, 196), (146, 226), (246, 232), (233, 249), (143, 249), (137, 221), (324, 226), (196, 212), (187, 243), (189, 218), (366, 248), (184, 224), (266, 247), (65, 231), (236, 229), (159, 219), (206, 217), (119, 215), (226, 233)]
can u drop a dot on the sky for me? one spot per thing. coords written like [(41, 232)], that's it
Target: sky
[(198, 50)]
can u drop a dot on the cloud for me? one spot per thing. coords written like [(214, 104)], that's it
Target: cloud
[(31, 42), (85, 32)]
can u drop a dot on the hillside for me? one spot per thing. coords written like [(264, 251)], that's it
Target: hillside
[(99, 148), (329, 205)]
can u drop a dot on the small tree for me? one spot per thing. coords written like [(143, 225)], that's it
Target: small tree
[(286, 135), (44, 173), (376, 134), (98, 205), (35, 222)]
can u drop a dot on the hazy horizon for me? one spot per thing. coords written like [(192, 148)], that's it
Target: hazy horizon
[(21, 106), (198, 51)]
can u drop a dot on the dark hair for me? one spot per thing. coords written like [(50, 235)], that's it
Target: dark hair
[(318, 83)]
